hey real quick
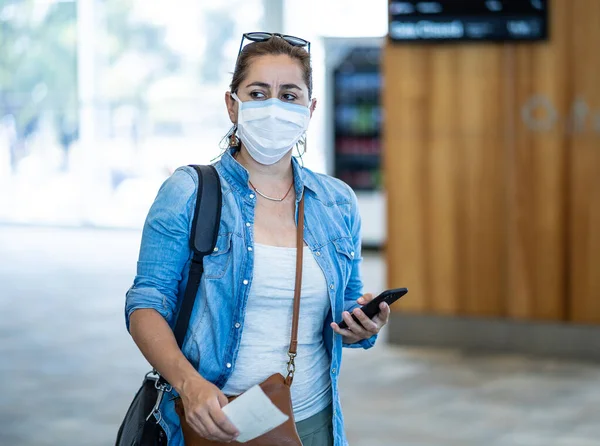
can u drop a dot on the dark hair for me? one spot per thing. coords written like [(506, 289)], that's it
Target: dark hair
[(272, 47)]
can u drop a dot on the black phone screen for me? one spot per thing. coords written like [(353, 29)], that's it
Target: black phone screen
[(372, 308)]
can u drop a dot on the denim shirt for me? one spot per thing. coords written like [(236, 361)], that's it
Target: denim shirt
[(331, 231)]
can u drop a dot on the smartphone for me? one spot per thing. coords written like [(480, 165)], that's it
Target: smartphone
[(372, 308)]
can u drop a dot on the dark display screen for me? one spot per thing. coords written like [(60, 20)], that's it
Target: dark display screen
[(357, 119), (468, 20)]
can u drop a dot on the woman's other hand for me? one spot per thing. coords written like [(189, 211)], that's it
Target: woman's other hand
[(202, 402), (367, 327)]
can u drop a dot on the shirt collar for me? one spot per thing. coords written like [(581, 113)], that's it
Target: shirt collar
[(303, 178)]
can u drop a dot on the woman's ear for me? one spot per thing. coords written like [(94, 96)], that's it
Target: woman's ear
[(313, 106), (232, 107)]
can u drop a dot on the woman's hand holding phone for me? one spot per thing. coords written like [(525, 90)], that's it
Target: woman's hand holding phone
[(368, 327)]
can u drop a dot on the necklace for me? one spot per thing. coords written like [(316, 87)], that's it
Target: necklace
[(271, 198)]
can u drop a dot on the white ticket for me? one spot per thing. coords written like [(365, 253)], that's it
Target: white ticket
[(253, 414)]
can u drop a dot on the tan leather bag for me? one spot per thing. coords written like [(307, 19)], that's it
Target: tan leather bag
[(276, 387)]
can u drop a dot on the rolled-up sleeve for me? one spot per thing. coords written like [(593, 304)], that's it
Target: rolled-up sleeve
[(354, 289), (164, 249)]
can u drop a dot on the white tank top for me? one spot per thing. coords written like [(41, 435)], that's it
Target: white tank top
[(268, 324)]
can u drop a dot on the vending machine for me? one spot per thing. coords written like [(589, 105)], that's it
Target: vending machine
[(353, 127)]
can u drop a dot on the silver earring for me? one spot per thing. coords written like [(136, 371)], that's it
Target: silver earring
[(302, 143)]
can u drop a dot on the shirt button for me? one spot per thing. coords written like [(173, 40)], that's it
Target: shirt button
[(248, 225), (331, 286), (228, 365), (333, 371), (249, 248), (245, 282), (216, 249), (352, 253), (238, 325), (318, 253), (251, 195)]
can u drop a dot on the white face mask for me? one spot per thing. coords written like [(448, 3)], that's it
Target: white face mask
[(270, 129)]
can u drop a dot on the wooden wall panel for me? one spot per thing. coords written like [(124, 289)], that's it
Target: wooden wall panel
[(442, 182), (405, 155), (479, 141), (537, 178), (584, 151), (493, 202), (445, 178)]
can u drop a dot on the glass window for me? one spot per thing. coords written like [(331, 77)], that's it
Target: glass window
[(100, 100)]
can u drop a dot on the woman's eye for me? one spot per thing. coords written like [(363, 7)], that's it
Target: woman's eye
[(257, 95), (289, 97)]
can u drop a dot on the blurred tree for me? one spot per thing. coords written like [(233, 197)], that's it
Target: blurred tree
[(38, 60), (38, 65), (136, 55), (219, 27)]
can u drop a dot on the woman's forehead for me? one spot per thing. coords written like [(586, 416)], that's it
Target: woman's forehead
[(275, 69)]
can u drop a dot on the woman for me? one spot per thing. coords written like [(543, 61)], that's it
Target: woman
[(239, 329)]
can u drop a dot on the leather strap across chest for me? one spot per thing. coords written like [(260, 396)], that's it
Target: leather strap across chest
[(293, 350)]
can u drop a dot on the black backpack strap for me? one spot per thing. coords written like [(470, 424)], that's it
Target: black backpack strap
[(203, 238)]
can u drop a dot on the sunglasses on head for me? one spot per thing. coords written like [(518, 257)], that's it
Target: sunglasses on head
[(263, 37)]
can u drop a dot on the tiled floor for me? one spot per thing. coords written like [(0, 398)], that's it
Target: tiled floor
[(447, 398), (68, 368)]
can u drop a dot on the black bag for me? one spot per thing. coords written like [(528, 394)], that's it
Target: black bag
[(140, 426)]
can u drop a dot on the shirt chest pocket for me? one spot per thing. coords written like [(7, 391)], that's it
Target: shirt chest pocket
[(344, 256), (216, 264)]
